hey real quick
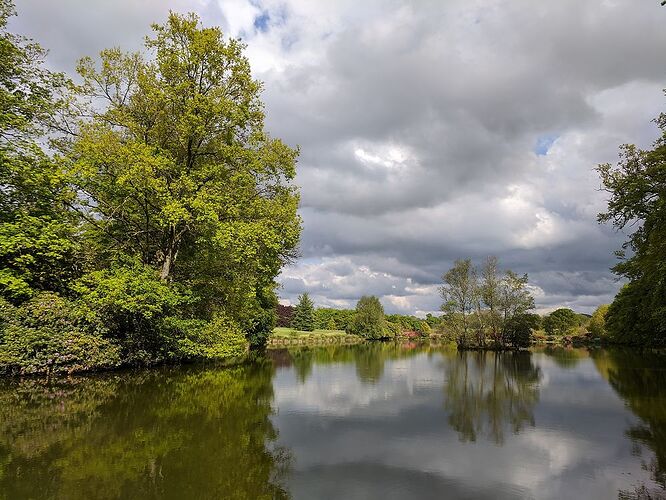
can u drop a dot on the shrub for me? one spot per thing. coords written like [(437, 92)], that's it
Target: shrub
[(392, 329), (518, 330), (263, 318), (340, 317), (126, 298), (130, 302), (46, 335), (189, 339)]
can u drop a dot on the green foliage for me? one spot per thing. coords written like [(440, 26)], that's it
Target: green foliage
[(340, 317), (331, 325), (262, 317), (304, 319), (460, 294), (127, 298), (368, 321), (597, 324), (518, 329), (560, 321), (189, 339), (45, 335), (37, 233), (633, 316), (637, 187), (409, 324), (479, 309), (165, 216), (433, 321), (187, 180), (130, 301), (392, 329)]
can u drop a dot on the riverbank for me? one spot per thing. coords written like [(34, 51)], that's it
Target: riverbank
[(288, 336)]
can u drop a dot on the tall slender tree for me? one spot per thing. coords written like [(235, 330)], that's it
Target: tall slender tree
[(304, 319), (459, 293)]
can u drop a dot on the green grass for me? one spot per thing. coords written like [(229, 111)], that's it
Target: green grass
[(291, 333)]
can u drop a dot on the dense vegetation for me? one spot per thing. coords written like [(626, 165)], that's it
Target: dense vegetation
[(369, 321), (637, 187), (146, 212)]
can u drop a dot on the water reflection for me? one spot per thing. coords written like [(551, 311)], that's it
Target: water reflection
[(640, 379), (486, 392), (377, 420), (175, 433)]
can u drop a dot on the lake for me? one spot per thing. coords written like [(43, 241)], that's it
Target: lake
[(368, 421)]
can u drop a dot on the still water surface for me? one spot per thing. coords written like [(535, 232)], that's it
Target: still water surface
[(370, 421)]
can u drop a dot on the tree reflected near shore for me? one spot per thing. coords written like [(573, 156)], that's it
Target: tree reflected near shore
[(169, 433), (640, 379), (488, 392)]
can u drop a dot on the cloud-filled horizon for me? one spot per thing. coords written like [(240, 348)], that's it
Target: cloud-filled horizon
[(429, 131)]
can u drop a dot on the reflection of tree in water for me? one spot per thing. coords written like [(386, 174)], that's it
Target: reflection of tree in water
[(486, 391), (172, 433), (565, 357), (640, 379), (368, 357)]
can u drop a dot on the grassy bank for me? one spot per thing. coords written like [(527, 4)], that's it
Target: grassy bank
[(289, 336)]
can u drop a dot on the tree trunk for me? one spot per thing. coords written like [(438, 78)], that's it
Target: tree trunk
[(170, 254)]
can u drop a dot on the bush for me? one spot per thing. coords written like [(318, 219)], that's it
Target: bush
[(46, 336), (392, 329), (518, 331), (410, 324), (264, 318), (196, 339), (340, 317), (131, 302), (368, 321), (127, 298)]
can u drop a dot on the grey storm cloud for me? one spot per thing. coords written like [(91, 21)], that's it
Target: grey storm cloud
[(429, 131)]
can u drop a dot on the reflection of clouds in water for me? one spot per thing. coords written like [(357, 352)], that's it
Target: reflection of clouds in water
[(335, 390), (577, 449)]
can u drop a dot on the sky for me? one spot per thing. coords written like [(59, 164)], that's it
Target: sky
[(429, 131)]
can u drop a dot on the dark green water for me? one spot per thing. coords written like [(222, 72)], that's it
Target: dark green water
[(353, 422)]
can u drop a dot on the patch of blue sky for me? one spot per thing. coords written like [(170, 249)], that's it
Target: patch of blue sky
[(544, 143), (262, 22)]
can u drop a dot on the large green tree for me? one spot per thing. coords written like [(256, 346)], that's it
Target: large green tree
[(175, 170), (637, 188), (368, 320), (37, 233), (560, 321)]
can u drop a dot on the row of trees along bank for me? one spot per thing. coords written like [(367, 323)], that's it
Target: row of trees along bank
[(144, 213), (496, 315)]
